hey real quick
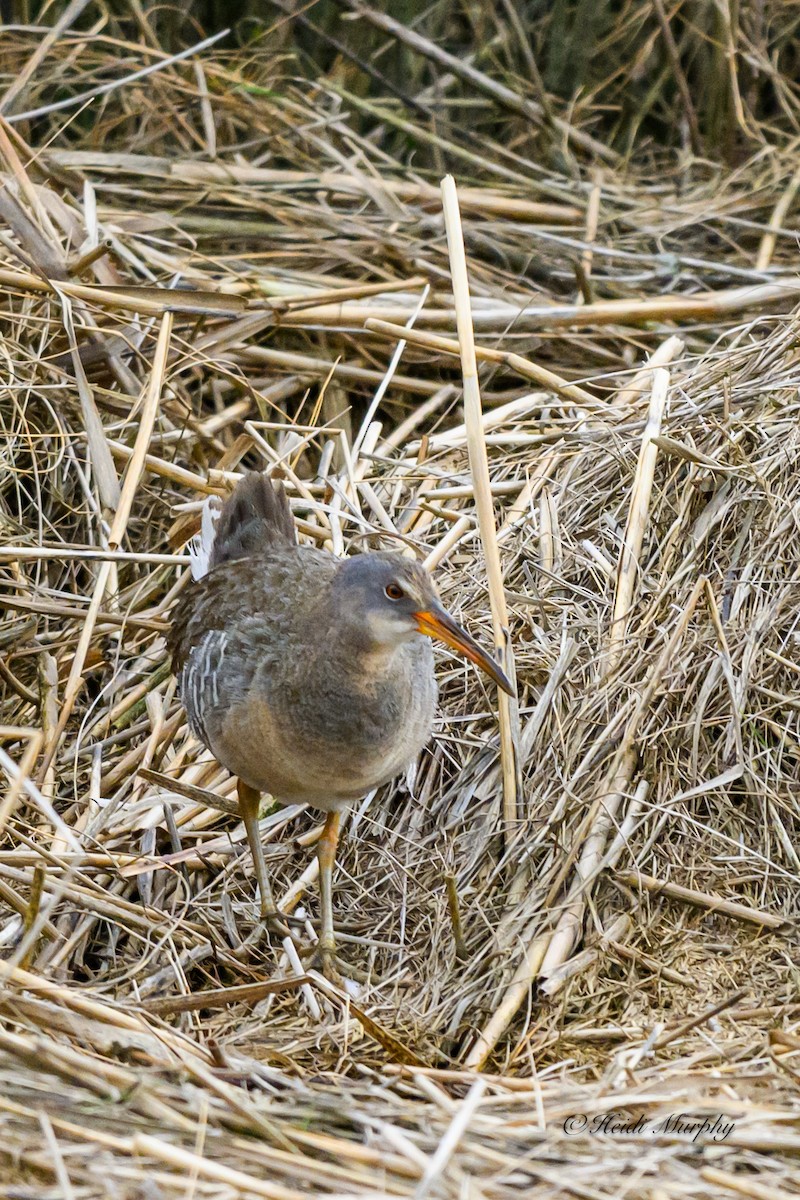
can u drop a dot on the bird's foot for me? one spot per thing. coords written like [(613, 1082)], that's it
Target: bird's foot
[(323, 958), (280, 923), (273, 923)]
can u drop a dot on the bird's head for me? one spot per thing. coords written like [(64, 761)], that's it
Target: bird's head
[(388, 600)]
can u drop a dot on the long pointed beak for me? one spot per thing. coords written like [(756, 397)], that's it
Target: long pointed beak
[(435, 622)]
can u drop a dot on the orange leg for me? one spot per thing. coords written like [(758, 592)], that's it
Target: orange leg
[(324, 957), (326, 853)]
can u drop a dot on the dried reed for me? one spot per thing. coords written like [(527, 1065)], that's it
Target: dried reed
[(215, 270)]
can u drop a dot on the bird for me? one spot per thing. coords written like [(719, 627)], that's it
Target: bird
[(308, 676)]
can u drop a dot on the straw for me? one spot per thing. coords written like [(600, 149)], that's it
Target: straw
[(479, 470), (207, 270)]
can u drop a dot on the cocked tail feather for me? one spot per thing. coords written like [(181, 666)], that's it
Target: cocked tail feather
[(254, 517)]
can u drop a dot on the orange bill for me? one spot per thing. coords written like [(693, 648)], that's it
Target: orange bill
[(435, 622)]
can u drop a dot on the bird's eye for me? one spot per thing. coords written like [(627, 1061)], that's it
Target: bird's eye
[(394, 591)]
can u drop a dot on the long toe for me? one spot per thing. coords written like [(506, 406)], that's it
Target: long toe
[(276, 919), (279, 923), (325, 960), (271, 926)]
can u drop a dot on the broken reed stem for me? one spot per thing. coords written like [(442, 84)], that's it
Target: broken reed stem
[(497, 318), (638, 511), (99, 454), (767, 247), (198, 1167), (523, 366), (549, 548), (21, 777), (16, 784), (592, 222), (546, 952), (479, 469), (248, 993), (336, 183), (135, 468), (130, 484), (79, 554), (631, 730), (454, 908), (504, 1014), (47, 669), (705, 900), (31, 913), (642, 381), (452, 1136), (604, 812)]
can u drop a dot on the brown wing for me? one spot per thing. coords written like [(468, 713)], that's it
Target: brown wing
[(246, 616)]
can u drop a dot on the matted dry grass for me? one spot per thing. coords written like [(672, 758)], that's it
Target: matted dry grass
[(206, 273)]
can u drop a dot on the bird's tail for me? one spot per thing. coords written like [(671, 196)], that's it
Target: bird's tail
[(256, 515)]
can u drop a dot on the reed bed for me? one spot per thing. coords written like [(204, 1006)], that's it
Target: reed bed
[(577, 915)]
